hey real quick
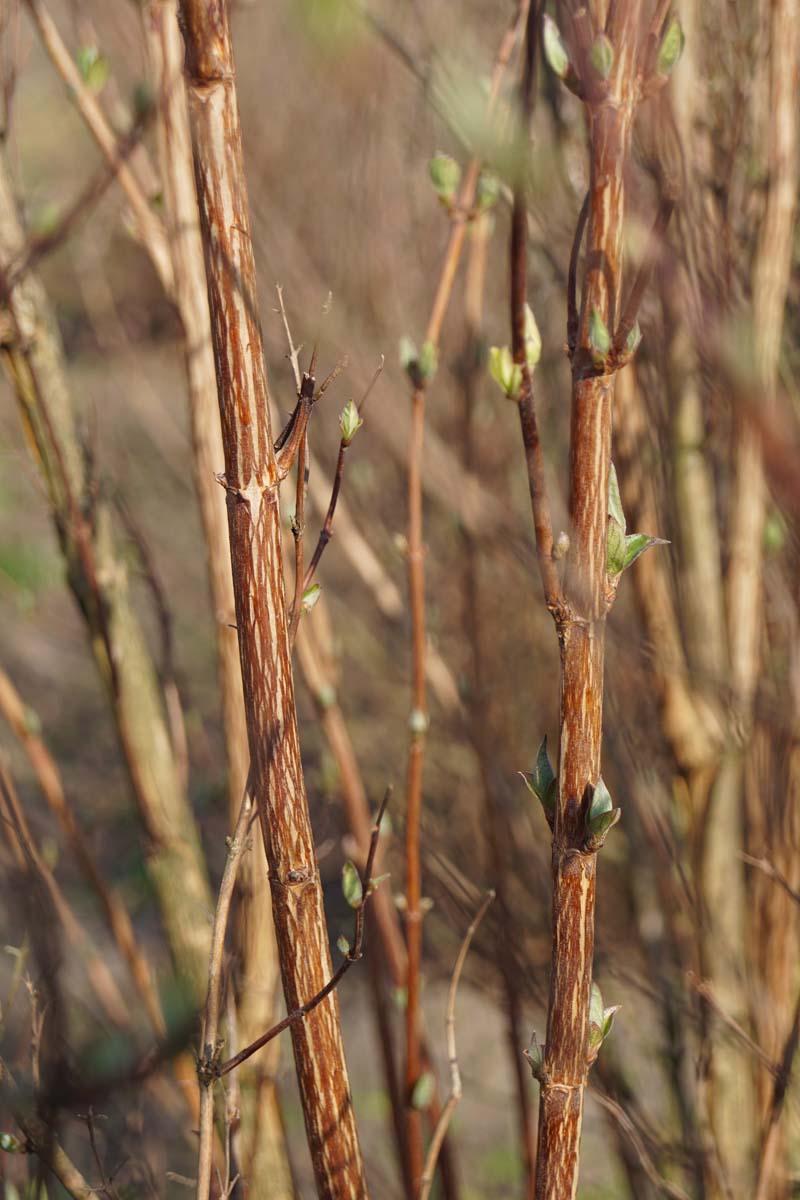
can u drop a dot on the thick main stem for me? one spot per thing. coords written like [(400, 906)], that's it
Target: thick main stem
[(255, 537), (581, 635)]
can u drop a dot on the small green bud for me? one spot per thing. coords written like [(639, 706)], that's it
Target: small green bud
[(423, 1091), (326, 696), (632, 340), (671, 47), (488, 191), (418, 722), (343, 945), (10, 1144), (349, 422), (445, 175), (599, 338), (504, 371), (554, 49), (310, 597), (533, 339), (428, 361), (601, 55), (408, 352), (93, 66), (561, 547), (601, 802), (351, 885), (535, 1056)]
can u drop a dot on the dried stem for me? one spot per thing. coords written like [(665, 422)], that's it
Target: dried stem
[(426, 1183), (298, 532)]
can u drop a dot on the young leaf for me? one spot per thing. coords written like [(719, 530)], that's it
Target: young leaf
[(614, 500), (671, 47), (637, 543), (351, 885), (93, 66), (596, 1006), (600, 825), (599, 337), (542, 780), (601, 803), (615, 548), (608, 1019), (423, 1091), (601, 55)]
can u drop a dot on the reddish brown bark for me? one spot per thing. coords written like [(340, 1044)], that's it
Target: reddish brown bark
[(252, 479), (580, 619)]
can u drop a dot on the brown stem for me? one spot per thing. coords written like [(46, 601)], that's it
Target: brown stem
[(252, 481), (298, 532), (573, 314), (581, 629), (655, 247)]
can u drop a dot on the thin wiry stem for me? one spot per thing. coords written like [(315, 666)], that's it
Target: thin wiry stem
[(426, 1183), (237, 845), (416, 586)]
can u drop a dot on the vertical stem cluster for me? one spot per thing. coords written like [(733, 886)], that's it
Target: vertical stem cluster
[(251, 482)]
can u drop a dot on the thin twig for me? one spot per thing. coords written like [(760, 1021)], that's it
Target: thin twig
[(706, 992), (573, 312), (451, 1103), (326, 533), (298, 532), (353, 955), (206, 1067), (294, 351), (763, 864), (651, 256), (629, 1129)]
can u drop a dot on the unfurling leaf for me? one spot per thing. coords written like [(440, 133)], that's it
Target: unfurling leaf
[(533, 339), (615, 548), (601, 55), (351, 885), (601, 802), (542, 780), (535, 1056), (637, 543), (671, 47), (423, 1091), (614, 499), (608, 1019), (504, 371), (599, 337), (554, 49), (445, 175), (349, 422)]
